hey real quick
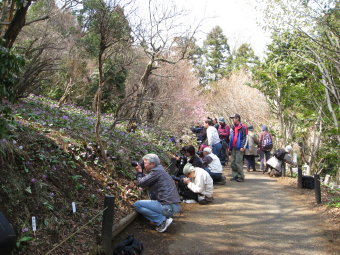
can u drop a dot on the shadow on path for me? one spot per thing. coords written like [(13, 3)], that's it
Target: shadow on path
[(255, 217)]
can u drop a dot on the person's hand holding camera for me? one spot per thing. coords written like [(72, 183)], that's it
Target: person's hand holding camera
[(186, 180), (138, 168)]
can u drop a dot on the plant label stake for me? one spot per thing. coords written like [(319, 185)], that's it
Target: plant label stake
[(74, 207), (34, 224)]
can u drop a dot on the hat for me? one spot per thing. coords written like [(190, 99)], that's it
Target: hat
[(264, 128), (221, 119), (187, 169), (250, 127), (235, 115), (207, 149), (288, 148)]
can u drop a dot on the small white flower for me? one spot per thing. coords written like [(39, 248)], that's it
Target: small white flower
[(21, 147), (14, 142)]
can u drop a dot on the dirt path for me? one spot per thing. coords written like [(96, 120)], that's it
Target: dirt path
[(258, 216)]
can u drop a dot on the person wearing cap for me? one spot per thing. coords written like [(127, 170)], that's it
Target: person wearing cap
[(277, 162), (237, 146), (199, 182), (163, 192), (224, 133), (213, 138), (251, 152), (212, 164)]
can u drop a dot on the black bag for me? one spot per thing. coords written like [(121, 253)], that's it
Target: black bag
[(280, 154), (129, 246), (307, 182), (7, 235)]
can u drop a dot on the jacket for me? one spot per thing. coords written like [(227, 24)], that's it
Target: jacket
[(213, 163), (195, 161), (212, 136), (238, 137), (202, 183), (161, 186), (252, 144), (224, 132)]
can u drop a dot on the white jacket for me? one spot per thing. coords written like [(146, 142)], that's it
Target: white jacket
[(215, 166), (212, 136), (202, 183)]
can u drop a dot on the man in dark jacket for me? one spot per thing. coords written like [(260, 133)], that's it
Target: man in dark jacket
[(237, 146), (164, 197)]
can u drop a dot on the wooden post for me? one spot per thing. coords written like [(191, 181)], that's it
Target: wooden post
[(283, 169), (299, 184), (107, 224), (317, 188)]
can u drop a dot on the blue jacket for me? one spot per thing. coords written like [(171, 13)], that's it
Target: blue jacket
[(241, 140)]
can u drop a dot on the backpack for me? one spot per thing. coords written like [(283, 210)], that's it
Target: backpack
[(267, 142), (129, 246), (280, 154), (7, 236)]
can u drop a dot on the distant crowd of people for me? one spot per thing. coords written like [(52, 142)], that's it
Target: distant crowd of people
[(198, 171)]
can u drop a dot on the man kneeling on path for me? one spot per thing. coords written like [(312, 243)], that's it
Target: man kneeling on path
[(199, 181), (164, 201), (212, 164)]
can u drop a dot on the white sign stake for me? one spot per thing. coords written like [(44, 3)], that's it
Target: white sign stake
[(34, 224), (74, 207)]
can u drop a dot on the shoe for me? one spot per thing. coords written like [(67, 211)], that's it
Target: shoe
[(233, 179), (240, 179), (221, 182), (164, 225), (190, 201), (206, 200), (254, 170)]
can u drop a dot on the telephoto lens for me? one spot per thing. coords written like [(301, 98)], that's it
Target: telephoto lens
[(134, 163)]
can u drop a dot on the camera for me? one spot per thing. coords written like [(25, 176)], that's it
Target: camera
[(136, 163)]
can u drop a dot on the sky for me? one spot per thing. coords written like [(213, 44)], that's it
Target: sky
[(237, 18)]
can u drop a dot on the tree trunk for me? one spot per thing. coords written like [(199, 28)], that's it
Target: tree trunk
[(17, 23), (66, 93), (97, 103), (140, 94)]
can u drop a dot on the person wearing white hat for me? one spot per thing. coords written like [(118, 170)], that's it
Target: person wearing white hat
[(212, 164), (199, 181)]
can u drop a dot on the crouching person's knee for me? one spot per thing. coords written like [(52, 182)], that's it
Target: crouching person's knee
[(137, 206)]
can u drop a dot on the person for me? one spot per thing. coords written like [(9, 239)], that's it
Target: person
[(215, 123), (276, 163), (192, 157), (251, 152), (237, 146), (179, 160), (213, 138), (199, 132), (265, 146), (165, 199), (224, 132), (212, 164), (199, 182)]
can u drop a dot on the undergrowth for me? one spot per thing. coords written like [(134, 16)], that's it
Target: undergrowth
[(50, 159)]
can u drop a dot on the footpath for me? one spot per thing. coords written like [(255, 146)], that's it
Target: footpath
[(255, 217)]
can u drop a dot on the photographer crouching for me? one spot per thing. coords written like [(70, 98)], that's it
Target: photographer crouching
[(164, 197)]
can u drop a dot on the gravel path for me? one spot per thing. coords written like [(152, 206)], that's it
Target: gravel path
[(258, 216)]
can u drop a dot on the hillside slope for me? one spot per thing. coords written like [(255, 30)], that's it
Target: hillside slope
[(50, 159)]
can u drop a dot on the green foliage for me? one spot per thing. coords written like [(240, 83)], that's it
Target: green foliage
[(217, 54), (23, 240), (335, 202), (10, 67), (244, 57)]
